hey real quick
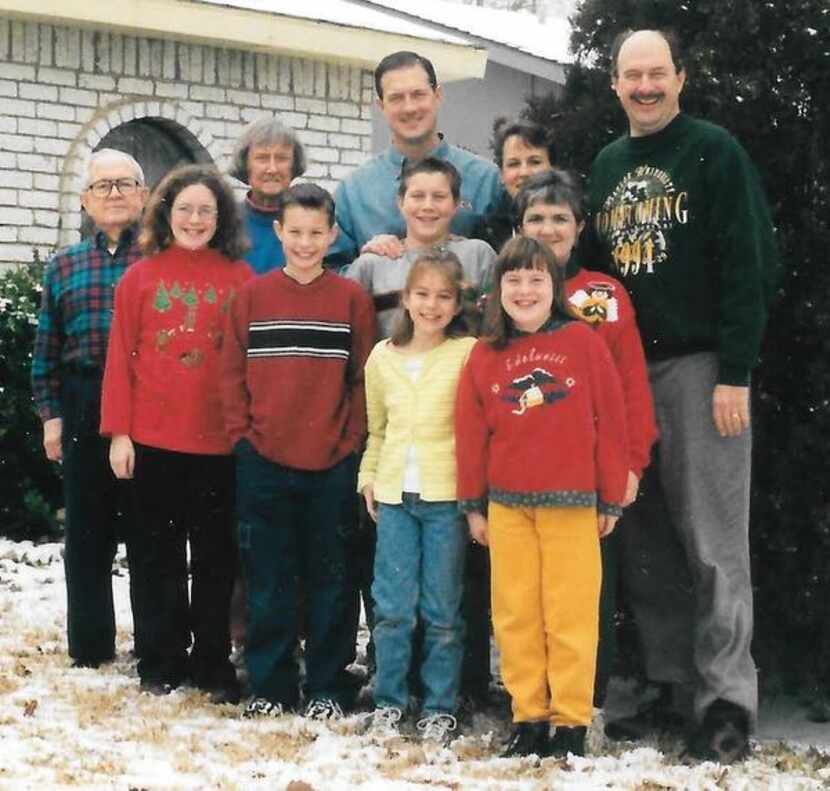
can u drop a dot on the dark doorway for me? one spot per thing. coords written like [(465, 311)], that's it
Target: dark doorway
[(159, 146)]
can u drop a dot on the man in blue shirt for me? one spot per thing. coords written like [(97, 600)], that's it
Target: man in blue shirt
[(367, 201)]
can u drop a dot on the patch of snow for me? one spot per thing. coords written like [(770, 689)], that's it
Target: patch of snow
[(343, 12), (520, 30), (68, 728)]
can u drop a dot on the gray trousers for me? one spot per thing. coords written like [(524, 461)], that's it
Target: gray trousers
[(685, 544)]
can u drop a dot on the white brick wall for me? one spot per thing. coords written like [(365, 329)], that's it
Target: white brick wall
[(63, 89)]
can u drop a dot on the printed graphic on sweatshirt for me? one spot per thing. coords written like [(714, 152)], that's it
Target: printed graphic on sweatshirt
[(596, 302), (296, 338), (636, 216), (179, 338), (537, 388)]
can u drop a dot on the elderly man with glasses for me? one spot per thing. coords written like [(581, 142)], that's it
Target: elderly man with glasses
[(67, 367)]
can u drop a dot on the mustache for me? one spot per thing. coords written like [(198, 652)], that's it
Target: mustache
[(639, 96)]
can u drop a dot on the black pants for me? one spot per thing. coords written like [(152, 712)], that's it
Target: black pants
[(475, 668), (607, 647), (97, 509), (361, 535), (183, 497)]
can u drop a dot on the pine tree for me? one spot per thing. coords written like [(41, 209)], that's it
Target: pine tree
[(162, 302), (762, 70)]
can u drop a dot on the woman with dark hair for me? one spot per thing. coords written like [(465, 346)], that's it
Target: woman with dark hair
[(161, 407), (521, 149)]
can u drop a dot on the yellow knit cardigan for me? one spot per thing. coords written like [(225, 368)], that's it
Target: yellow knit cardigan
[(401, 413)]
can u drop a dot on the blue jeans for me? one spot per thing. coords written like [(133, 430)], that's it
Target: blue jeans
[(419, 564), (290, 529)]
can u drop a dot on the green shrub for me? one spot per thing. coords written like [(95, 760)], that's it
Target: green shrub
[(30, 491)]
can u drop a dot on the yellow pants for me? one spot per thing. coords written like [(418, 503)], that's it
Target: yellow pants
[(546, 575)]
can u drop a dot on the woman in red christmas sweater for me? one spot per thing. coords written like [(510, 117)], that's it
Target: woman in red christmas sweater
[(542, 467), (549, 207), (161, 406)]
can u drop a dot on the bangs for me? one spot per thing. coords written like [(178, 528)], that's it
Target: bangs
[(524, 253)]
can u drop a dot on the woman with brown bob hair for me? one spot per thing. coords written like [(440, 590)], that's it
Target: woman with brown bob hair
[(161, 406)]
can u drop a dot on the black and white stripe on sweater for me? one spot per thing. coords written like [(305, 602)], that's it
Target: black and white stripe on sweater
[(297, 338)]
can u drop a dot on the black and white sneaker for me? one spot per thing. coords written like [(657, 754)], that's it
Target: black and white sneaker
[(384, 721), (262, 707), (438, 728), (323, 709)]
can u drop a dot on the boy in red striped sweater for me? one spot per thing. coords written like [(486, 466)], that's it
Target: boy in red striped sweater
[(294, 405)]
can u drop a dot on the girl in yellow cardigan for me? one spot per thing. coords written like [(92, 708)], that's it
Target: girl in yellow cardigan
[(407, 477)]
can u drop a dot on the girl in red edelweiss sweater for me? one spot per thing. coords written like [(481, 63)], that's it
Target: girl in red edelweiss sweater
[(550, 208), (542, 466), (161, 406)]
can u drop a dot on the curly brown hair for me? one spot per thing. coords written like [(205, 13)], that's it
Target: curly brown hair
[(156, 234)]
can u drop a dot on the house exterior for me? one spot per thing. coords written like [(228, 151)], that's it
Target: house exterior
[(175, 81), (76, 75)]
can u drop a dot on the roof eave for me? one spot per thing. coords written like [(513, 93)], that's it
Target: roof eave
[(226, 26), (545, 68)]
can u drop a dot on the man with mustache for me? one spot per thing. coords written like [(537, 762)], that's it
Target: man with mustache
[(409, 97), (679, 216)]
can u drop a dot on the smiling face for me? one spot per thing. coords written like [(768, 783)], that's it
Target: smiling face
[(193, 217), (527, 297), (270, 168), (520, 161), (555, 226), (410, 105), (115, 212), (432, 303), (647, 83), (428, 207), (306, 236)]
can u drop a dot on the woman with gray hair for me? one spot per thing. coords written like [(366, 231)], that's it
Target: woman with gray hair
[(267, 157)]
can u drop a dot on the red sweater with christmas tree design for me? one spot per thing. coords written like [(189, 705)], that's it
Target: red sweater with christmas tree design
[(161, 382)]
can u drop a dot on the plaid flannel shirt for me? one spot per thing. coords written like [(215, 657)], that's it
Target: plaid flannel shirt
[(76, 313)]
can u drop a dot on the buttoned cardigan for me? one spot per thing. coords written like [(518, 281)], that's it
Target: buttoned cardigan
[(402, 413)]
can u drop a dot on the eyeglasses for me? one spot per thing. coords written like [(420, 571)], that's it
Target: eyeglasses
[(103, 187), (186, 211)]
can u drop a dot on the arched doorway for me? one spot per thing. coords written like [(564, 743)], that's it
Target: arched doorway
[(157, 144)]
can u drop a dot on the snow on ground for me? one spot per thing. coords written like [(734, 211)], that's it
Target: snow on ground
[(66, 728)]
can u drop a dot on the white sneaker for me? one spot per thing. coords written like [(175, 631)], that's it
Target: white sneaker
[(438, 727), (384, 721)]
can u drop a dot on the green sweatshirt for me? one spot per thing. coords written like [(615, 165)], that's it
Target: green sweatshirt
[(680, 218)]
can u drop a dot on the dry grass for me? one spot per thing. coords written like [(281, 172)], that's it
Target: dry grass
[(79, 729)]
